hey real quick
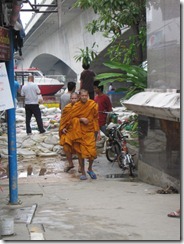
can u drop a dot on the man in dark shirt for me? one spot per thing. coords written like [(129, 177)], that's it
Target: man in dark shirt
[(87, 80)]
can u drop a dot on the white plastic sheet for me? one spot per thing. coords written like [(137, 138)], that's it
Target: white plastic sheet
[(164, 105)]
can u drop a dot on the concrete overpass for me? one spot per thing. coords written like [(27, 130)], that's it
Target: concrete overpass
[(53, 39)]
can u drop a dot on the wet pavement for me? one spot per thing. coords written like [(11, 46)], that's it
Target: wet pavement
[(54, 205)]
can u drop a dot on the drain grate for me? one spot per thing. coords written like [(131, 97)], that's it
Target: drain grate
[(116, 176)]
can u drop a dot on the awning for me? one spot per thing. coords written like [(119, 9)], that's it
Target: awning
[(163, 105)]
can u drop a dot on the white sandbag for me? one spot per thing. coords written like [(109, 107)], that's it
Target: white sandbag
[(46, 145), (50, 117), (21, 137), (53, 139), (50, 154), (37, 137), (3, 144), (38, 149), (20, 110), (56, 148), (4, 151), (20, 118), (4, 139), (42, 107), (28, 143), (50, 111), (28, 153)]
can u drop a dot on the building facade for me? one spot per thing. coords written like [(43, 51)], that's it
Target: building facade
[(159, 105)]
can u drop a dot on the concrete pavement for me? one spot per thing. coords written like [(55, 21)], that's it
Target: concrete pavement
[(59, 206)]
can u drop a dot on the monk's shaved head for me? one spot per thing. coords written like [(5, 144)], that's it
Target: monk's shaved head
[(84, 96)]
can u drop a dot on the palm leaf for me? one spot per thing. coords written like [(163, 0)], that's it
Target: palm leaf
[(108, 75), (130, 73)]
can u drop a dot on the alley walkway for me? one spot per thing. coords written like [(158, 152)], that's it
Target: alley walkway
[(62, 207)]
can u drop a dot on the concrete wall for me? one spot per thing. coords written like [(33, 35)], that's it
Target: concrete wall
[(163, 44), (156, 177), (64, 44), (159, 151)]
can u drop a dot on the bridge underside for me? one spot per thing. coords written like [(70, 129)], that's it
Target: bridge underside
[(51, 65)]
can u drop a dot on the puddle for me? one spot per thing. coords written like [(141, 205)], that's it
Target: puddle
[(40, 167)]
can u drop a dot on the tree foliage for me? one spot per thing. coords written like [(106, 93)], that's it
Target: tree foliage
[(126, 55), (113, 17)]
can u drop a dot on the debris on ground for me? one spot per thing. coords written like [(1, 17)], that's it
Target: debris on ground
[(168, 190)]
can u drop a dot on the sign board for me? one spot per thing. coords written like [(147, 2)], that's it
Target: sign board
[(5, 51), (6, 100)]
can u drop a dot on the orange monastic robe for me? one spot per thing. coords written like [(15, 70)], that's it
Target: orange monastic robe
[(80, 136), (86, 140), (65, 118), (66, 122)]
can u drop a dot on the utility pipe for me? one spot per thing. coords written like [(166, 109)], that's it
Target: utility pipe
[(12, 149)]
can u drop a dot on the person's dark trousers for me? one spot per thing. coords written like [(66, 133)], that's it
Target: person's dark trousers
[(91, 95), (33, 109)]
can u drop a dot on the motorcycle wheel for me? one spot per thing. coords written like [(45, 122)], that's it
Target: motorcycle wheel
[(113, 151)]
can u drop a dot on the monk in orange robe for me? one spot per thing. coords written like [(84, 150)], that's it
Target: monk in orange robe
[(65, 131), (83, 119)]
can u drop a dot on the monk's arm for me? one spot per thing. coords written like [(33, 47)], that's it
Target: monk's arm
[(95, 122)]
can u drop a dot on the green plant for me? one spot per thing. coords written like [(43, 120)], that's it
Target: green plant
[(86, 55), (133, 74)]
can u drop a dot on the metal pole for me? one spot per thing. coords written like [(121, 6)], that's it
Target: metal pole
[(12, 150)]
